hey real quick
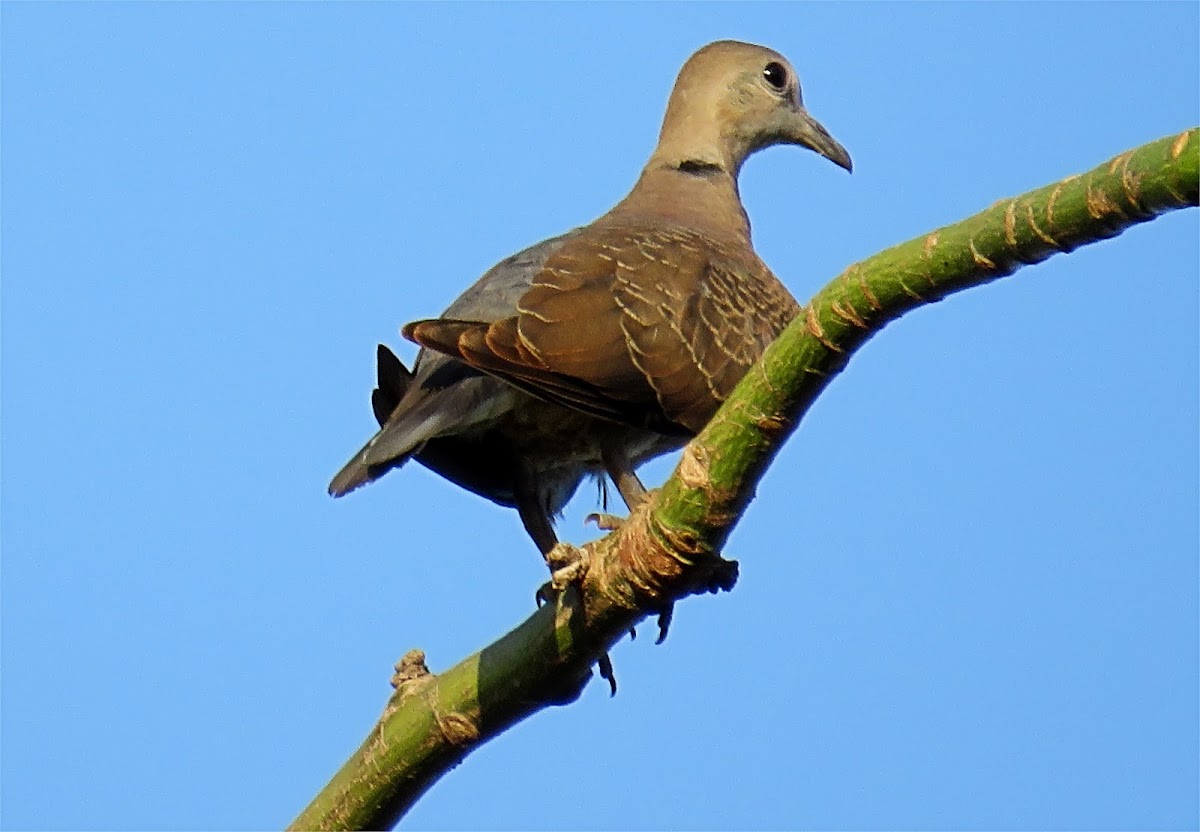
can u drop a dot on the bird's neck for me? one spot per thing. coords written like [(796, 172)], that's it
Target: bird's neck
[(692, 193)]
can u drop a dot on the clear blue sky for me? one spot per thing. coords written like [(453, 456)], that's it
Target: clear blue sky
[(969, 583)]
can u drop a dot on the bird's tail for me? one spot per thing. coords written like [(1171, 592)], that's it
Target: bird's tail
[(358, 471), (392, 382)]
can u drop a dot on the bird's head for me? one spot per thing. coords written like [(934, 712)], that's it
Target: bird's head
[(734, 98)]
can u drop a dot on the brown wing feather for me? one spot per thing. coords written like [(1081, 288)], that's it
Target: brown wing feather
[(484, 347), (695, 333), (652, 328)]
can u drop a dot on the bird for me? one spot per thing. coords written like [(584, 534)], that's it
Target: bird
[(592, 352)]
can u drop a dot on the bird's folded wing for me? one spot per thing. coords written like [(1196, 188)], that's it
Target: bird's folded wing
[(650, 328)]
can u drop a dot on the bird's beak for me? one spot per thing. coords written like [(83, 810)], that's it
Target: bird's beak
[(804, 130)]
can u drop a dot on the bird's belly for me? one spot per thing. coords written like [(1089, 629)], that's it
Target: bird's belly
[(557, 447), (554, 436)]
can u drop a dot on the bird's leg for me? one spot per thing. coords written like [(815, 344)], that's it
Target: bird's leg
[(536, 521), (632, 492), (628, 485), (567, 563)]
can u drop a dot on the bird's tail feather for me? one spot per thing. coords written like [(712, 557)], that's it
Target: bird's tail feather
[(358, 471), (393, 381)]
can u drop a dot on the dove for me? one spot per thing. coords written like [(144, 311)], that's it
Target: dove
[(592, 352)]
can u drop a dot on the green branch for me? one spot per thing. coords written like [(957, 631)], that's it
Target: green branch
[(669, 546)]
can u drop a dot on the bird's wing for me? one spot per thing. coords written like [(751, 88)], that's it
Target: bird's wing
[(647, 327), (442, 397)]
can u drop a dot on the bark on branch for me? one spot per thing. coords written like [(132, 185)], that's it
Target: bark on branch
[(670, 546)]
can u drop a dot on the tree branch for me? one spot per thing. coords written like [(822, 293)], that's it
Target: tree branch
[(669, 547)]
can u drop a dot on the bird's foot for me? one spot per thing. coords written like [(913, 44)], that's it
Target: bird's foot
[(610, 523), (605, 522), (568, 564), (723, 578)]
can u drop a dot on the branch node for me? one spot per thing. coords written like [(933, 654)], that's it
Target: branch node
[(1131, 184), (1010, 221), (456, 728), (979, 258), (813, 324), (931, 241), (1180, 143), (1099, 204), (1179, 198), (848, 314), (1058, 189), (411, 668), (867, 289), (772, 425), (693, 466), (1041, 235), (908, 291), (1118, 161)]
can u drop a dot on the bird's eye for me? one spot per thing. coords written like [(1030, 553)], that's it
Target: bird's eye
[(776, 75)]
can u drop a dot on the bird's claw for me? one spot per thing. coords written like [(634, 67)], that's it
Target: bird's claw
[(605, 522), (664, 622), (605, 666)]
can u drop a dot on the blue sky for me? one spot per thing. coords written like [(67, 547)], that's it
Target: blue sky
[(969, 582)]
